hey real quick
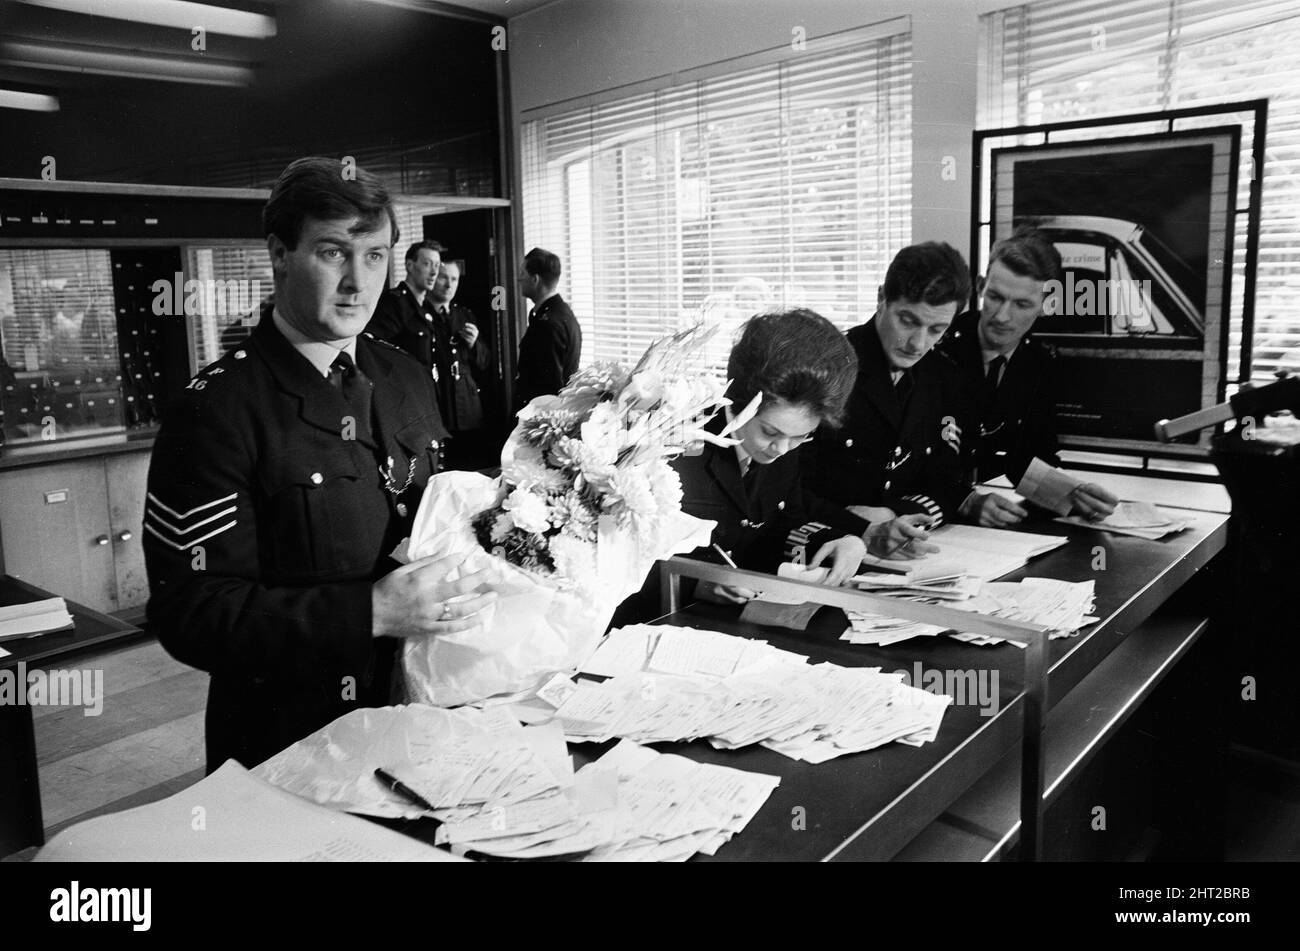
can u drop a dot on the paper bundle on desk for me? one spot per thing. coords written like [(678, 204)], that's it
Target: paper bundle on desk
[(507, 790), (678, 684), (1063, 607), (34, 617), (1141, 519)]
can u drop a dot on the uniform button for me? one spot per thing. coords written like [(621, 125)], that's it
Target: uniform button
[(240, 354), (887, 485), (780, 506), (401, 509), (927, 450), (317, 478), (433, 444), (848, 444), (898, 450)]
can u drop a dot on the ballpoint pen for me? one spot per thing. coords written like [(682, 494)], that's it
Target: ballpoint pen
[(403, 790)]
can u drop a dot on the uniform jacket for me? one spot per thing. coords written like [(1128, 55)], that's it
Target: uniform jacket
[(265, 528), (1002, 434), (435, 341), (902, 455), (549, 351), (765, 526)]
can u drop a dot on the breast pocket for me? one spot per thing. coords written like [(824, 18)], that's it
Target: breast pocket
[(315, 515)]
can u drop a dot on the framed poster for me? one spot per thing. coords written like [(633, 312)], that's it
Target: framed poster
[(1144, 225)]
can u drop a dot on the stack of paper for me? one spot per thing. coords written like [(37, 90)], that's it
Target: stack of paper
[(507, 790), (943, 582), (1048, 487), (1062, 607), (773, 698), (1134, 518), (34, 617), (983, 553)]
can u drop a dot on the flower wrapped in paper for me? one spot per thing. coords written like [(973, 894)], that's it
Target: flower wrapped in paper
[(585, 504)]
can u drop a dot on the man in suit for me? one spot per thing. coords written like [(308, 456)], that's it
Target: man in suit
[(898, 451), (460, 361), (552, 345), (1008, 411), (284, 475)]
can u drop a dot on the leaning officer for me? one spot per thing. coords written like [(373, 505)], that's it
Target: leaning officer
[(1007, 379), (898, 450), (283, 476)]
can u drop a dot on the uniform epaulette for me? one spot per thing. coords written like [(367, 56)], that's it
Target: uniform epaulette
[(214, 371), (381, 341)]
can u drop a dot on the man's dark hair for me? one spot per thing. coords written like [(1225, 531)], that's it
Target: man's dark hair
[(414, 250), (542, 263), (931, 273), (314, 187), (1028, 253), (794, 355)]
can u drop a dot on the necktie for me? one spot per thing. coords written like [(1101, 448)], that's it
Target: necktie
[(993, 376), (347, 378), (749, 478), (903, 387)]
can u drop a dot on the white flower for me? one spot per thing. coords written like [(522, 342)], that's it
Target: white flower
[(602, 433), (666, 485), (644, 391), (573, 558), (527, 510), (630, 494)]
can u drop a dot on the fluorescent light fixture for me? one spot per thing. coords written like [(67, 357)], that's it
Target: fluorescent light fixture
[(35, 101), (180, 14), (80, 59)]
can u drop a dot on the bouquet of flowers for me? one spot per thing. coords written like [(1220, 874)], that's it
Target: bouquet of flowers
[(585, 504)]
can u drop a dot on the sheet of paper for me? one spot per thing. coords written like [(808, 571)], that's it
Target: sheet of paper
[(244, 820), (1048, 486)]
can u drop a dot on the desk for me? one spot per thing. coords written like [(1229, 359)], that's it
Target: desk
[(21, 824), (871, 806)]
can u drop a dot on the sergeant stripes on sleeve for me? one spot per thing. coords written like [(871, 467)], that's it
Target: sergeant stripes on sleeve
[(798, 538), (187, 523), (932, 508)]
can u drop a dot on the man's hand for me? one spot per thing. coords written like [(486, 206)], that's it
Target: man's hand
[(1092, 501), (416, 600), (845, 557), (469, 333), (723, 593), (901, 537), (992, 510)]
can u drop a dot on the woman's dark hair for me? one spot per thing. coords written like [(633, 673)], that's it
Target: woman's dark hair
[(327, 190), (793, 355)]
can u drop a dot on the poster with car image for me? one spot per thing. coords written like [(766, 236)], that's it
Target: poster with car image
[(1144, 227)]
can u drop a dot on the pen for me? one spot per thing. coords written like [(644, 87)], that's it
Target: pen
[(725, 556), (403, 790)]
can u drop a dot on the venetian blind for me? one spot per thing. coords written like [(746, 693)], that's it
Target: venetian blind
[(786, 184), (1064, 59)]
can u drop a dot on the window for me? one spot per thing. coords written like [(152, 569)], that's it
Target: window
[(1064, 59), (60, 374), (225, 304), (787, 183)]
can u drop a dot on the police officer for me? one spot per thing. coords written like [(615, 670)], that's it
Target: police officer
[(898, 451), (461, 357), (551, 347), (284, 475), (1007, 379)]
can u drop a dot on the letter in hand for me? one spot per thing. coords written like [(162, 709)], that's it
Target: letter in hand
[(996, 511), (418, 600), (901, 537), (845, 557), (1092, 501), (469, 333), (723, 593)]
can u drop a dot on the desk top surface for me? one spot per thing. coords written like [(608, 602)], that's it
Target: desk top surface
[(89, 628), (867, 805)]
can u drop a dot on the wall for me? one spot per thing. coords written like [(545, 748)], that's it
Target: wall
[(573, 48)]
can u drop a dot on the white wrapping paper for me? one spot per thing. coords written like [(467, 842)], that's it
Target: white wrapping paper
[(539, 625)]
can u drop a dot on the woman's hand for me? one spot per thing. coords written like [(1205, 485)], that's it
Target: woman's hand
[(845, 557), (1092, 501), (901, 537)]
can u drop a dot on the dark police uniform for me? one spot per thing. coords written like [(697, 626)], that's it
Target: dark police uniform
[(265, 529), (434, 339), (897, 447), (549, 351), (767, 521), (1005, 427)]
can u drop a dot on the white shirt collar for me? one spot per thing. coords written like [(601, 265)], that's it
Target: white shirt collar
[(319, 355), (988, 355)]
